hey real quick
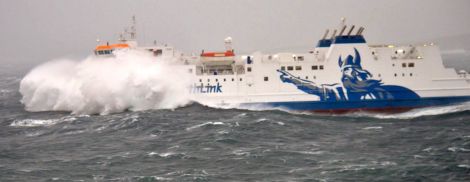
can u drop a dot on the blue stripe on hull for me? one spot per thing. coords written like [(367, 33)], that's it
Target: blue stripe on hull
[(364, 104)]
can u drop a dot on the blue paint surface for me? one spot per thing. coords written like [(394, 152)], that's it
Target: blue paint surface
[(324, 43), (364, 104), (356, 84), (352, 39)]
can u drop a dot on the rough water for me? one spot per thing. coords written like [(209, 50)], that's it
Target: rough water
[(199, 143)]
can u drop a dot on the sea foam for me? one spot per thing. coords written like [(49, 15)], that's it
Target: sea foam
[(132, 80)]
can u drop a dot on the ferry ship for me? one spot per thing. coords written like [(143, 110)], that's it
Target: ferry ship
[(342, 73)]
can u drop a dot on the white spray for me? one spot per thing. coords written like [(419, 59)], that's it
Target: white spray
[(131, 80)]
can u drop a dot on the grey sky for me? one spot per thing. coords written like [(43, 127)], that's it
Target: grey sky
[(38, 31)]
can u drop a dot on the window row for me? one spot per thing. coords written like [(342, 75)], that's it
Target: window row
[(217, 80), (410, 65), (298, 68), (403, 74)]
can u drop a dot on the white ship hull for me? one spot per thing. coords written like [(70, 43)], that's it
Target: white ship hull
[(337, 78)]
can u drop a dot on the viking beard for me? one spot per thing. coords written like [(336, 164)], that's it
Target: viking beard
[(356, 85)]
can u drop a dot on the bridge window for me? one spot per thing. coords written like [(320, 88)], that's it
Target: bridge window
[(241, 79), (266, 78), (208, 80), (233, 79), (248, 69), (216, 80), (314, 67), (306, 77), (300, 58), (403, 65), (411, 74), (200, 80), (298, 67), (411, 64), (290, 68), (225, 79), (283, 68), (321, 67)]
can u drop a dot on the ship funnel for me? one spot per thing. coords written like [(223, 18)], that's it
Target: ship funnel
[(342, 30), (350, 30), (359, 32), (326, 34), (334, 34)]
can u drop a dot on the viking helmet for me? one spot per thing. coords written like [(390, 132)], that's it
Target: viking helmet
[(354, 62)]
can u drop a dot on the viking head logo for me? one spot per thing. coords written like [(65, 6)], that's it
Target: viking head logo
[(351, 67), (355, 78), (357, 84)]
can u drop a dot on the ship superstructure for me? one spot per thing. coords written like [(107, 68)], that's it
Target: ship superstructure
[(342, 73)]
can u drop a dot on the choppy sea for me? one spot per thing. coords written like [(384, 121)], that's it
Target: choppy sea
[(199, 143)]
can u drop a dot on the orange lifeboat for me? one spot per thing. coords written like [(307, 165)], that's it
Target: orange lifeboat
[(218, 58), (109, 48), (228, 53)]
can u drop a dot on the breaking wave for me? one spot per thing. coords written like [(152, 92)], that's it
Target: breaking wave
[(132, 80)]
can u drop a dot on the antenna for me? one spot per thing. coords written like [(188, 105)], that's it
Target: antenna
[(133, 28), (342, 23)]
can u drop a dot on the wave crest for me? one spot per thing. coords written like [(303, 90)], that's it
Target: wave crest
[(131, 80)]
